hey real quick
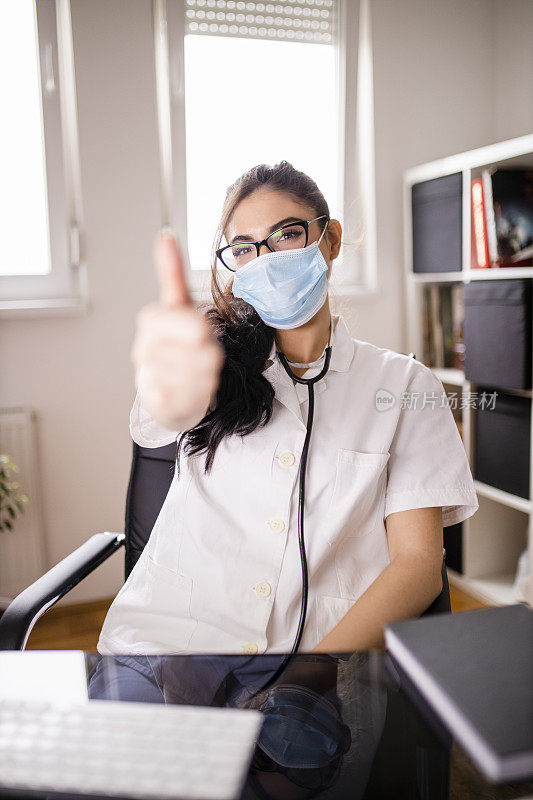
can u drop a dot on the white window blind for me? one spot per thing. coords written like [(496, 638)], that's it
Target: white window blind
[(293, 20)]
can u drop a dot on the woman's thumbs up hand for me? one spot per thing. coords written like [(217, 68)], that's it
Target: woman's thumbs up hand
[(168, 260), (176, 355)]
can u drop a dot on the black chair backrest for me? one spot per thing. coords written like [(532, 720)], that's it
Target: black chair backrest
[(152, 471)]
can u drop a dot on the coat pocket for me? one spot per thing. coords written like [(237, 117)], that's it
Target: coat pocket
[(330, 611), (358, 492), (168, 600)]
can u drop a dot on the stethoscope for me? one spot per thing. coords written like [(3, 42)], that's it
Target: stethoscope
[(309, 382)]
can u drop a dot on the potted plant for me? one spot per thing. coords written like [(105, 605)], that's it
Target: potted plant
[(11, 501)]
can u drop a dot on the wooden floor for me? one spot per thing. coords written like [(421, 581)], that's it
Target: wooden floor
[(77, 626), (72, 627)]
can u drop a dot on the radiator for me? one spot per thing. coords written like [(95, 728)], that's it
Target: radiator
[(22, 550)]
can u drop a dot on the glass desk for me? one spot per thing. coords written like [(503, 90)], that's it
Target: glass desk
[(348, 726)]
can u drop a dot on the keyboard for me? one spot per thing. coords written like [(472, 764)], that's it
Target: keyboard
[(126, 749)]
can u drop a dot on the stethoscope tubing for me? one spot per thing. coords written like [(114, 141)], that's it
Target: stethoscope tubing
[(309, 382)]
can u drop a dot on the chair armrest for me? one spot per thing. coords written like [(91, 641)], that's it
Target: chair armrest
[(23, 612)]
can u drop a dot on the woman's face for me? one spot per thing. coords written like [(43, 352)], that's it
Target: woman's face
[(265, 210)]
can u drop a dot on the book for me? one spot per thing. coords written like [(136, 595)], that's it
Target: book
[(475, 671), (446, 319), (458, 312), (480, 246), (427, 357), (437, 336), (442, 320)]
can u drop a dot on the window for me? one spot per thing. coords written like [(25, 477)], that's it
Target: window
[(242, 83), (39, 258)]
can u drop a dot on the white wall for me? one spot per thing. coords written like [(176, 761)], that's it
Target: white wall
[(432, 98), (513, 68), (449, 76)]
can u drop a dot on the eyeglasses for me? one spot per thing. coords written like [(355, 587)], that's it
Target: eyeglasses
[(288, 237)]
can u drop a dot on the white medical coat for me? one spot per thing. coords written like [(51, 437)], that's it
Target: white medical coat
[(221, 570)]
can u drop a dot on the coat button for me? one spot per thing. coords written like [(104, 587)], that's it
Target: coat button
[(250, 649), (286, 459), (262, 589), (277, 525)]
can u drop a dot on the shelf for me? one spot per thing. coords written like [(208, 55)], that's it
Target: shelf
[(519, 392), (493, 589), (455, 377), (498, 273), (466, 275), (505, 498), (436, 277), (494, 538), (518, 150), (499, 389), (506, 390)]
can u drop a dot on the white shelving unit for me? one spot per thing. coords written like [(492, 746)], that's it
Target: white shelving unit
[(495, 536)]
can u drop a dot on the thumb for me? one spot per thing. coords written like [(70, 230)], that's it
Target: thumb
[(170, 266)]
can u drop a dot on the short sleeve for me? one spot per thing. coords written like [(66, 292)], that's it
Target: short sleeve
[(145, 431), (428, 465)]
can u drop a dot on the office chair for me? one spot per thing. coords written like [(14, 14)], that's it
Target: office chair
[(152, 470)]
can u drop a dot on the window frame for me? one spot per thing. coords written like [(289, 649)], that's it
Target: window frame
[(357, 264), (63, 290)]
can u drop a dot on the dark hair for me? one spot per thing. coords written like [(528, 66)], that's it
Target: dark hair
[(244, 398)]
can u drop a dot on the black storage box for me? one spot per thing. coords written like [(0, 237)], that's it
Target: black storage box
[(501, 442), (453, 544), (497, 332), (437, 208)]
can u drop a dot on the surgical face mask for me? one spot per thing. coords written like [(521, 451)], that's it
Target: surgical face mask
[(287, 287)]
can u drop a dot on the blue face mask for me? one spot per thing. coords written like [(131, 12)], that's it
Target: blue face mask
[(287, 287)]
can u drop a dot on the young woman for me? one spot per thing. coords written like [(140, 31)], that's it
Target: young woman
[(386, 466)]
